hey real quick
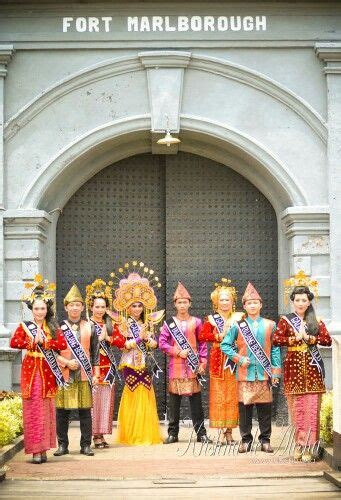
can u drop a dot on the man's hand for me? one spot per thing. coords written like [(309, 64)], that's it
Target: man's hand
[(152, 343), (72, 364), (245, 361), (275, 382), (184, 353), (201, 369)]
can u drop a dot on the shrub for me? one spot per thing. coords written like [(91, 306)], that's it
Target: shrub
[(326, 418), (11, 424)]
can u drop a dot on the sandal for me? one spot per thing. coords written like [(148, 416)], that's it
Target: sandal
[(98, 443), (228, 437), (105, 444)]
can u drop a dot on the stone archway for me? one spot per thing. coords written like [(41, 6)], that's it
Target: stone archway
[(188, 217)]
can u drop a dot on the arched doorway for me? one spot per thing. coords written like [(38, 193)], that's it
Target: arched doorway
[(186, 216)]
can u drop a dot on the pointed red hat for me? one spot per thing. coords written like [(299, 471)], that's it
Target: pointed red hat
[(181, 293), (251, 293)]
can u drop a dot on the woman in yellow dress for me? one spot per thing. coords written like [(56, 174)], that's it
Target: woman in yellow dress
[(135, 301)]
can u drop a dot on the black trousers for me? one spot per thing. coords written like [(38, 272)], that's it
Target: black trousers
[(264, 421), (63, 426), (197, 414)]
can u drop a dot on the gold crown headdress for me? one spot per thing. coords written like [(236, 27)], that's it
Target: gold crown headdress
[(300, 279), (136, 283), (41, 289), (98, 289), (223, 285)]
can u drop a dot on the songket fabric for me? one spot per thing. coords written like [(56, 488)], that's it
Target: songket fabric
[(39, 417), (304, 410), (303, 382), (103, 395), (223, 394), (103, 409)]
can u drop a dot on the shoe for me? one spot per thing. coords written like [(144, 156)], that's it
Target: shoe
[(171, 439), (99, 445), (62, 450), (244, 447), (228, 439), (36, 459), (307, 457), (105, 444), (266, 447), (87, 451), (43, 457), (204, 439), (298, 453)]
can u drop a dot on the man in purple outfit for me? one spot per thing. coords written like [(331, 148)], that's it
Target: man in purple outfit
[(187, 362)]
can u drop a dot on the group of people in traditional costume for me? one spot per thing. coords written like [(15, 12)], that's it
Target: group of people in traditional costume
[(72, 366)]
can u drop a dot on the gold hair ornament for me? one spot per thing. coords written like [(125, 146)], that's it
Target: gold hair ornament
[(300, 279)]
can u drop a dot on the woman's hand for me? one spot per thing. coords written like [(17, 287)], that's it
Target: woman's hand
[(72, 364), (298, 336), (143, 333), (152, 343)]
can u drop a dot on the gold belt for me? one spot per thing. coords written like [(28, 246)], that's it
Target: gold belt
[(301, 348), (35, 354)]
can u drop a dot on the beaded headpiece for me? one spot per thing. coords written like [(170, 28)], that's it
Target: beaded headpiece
[(136, 283), (41, 289), (98, 289), (223, 286), (300, 279)]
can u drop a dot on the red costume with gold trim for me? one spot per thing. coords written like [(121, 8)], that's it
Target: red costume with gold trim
[(34, 360), (300, 377)]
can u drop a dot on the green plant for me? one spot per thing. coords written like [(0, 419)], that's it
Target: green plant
[(326, 418), (11, 424)]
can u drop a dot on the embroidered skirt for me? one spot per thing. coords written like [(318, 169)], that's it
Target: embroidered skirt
[(223, 401), (258, 391), (77, 395), (184, 386), (304, 410), (102, 409), (39, 418)]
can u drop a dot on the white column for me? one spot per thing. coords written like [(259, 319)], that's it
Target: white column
[(330, 53), (6, 52)]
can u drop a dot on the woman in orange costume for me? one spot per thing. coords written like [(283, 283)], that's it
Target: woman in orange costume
[(138, 422), (38, 382), (223, 397)]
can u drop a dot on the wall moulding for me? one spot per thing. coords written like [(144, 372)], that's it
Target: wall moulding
[(179, 59), (305, 221)]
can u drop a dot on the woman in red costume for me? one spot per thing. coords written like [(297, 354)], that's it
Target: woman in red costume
[(38, 381), (301, 332)]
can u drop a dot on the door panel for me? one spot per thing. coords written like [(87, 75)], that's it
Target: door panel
[(188, 217)]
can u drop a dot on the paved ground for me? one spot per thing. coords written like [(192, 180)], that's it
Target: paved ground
[(183, 470)]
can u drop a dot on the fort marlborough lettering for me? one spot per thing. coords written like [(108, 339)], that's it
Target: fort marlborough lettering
[(166, 24)]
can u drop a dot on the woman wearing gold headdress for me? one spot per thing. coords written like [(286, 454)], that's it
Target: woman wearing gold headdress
[(39, 371), (138, 422), (98, 301), (301, 332), (223, 402)]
